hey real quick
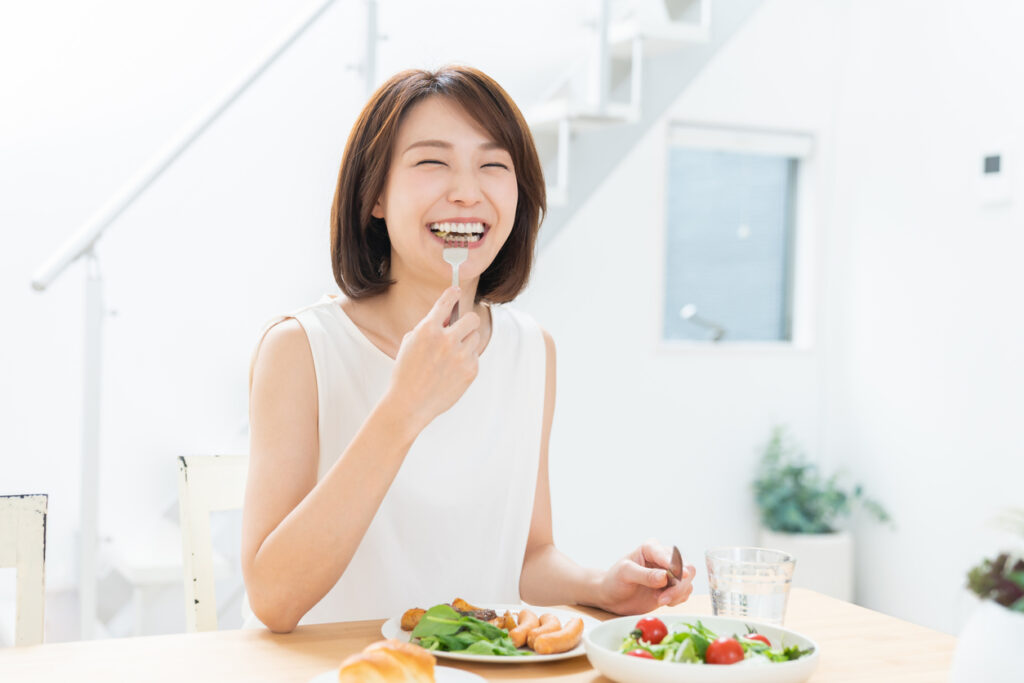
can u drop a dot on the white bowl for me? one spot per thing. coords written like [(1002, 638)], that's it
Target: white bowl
[(603, 642)]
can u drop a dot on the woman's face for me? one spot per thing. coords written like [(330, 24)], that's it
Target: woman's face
[(445, 170)]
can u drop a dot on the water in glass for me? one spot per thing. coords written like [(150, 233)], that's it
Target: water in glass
[(750, 583)]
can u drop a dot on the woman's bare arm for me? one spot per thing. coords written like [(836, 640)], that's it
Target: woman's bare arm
[(635, 584), (299, 535), (549, 577)]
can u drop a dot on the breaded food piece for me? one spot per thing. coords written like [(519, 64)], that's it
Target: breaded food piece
[(508, 621), (411, 618), (460, 605), (468, 610)]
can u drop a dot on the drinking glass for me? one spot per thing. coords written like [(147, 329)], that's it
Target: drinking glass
[(750, 583)]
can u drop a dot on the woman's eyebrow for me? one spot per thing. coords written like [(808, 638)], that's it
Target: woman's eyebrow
[(442, 144), (429, 143)]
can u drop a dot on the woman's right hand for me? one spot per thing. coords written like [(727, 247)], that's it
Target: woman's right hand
[(435, 364)]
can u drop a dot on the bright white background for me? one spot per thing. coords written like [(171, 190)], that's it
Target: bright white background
[(912, 384)]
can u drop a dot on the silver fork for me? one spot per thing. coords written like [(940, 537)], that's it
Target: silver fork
[(455, 252)]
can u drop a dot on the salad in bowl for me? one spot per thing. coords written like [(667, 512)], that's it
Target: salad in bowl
[(690, 649)]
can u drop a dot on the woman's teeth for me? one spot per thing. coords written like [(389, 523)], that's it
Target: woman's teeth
[(472, 231)]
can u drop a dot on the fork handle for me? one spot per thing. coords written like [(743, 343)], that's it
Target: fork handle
[(455, 283)]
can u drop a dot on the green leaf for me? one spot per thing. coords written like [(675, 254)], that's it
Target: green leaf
[(429, 643), (794, 652), (438, 620), (701, 637), (486, 647), (687, 653), (442, 628), (489, 631), (629, 644), (1017, 578)]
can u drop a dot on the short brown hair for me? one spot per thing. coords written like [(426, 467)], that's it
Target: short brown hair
[(360, 246)]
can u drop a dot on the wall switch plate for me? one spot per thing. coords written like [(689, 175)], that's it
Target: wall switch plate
[(994, 188)]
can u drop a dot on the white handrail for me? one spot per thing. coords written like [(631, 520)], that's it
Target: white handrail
[(82, 244), (83, 240)]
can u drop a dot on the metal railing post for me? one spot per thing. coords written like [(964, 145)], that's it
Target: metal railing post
[(82, 244)]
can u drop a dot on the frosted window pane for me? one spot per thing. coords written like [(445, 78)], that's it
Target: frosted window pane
[(729, 233)]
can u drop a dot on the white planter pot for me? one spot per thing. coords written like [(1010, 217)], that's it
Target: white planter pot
[(824, 562), (986, 651)]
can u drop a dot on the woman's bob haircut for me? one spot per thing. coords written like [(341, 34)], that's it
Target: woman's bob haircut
[(360, 246)]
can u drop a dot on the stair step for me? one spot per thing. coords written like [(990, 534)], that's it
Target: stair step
[(547, 117), (658, 38)]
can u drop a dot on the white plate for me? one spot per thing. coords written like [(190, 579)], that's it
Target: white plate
[(442, 674), (603, 642), (392, 628)]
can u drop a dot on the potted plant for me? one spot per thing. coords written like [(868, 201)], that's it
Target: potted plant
[(801, 513), (987, 647)]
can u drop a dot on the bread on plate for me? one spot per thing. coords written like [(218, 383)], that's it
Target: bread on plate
[(388, 661)]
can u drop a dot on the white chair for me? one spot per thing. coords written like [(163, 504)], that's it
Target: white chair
[(23, 546), (206, 483)]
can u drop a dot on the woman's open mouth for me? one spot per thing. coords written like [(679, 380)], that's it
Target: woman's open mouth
[(469, 233)]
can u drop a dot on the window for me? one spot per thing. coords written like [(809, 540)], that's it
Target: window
[(730, 234)]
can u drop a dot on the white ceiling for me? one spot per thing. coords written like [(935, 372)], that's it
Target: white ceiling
[(527, 45)]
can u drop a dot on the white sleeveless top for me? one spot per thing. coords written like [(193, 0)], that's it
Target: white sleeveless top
[(456, 519)]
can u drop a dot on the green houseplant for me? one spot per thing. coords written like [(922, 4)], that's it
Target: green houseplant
[(793, 496), (989, 642), (801, 511)]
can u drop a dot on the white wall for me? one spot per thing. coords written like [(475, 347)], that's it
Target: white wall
[(649, 441), (913, 386), (925, 370)]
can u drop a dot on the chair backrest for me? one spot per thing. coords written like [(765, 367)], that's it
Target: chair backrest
[(23, 546), (206, 483)]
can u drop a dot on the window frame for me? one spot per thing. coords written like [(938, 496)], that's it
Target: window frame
[(798, 145)]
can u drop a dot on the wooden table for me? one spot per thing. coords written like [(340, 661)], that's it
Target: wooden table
[(857, 644)]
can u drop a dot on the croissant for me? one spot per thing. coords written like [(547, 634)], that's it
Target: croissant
[(388, 661)]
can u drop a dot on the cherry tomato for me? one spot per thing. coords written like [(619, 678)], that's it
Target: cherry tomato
[(651, 630), (759, 637), (643, 654), (724, 651)]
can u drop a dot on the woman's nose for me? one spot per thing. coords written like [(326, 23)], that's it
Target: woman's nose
[(465, 188)]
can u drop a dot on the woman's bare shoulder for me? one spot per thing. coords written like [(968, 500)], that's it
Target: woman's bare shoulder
[(284, 347)]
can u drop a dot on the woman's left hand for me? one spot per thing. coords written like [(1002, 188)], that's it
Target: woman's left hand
[(640, 582)]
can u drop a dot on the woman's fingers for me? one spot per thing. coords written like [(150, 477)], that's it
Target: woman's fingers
[(472, 343), (655, 554), (465, 326), (442, 308), (436, 364), (681, 590), (631, 572)]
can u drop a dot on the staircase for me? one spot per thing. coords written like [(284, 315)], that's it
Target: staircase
[(645, 54)]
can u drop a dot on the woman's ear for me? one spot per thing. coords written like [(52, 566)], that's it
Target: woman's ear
[(378, 209)]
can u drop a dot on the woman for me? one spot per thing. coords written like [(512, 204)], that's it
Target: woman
[(398, 460)]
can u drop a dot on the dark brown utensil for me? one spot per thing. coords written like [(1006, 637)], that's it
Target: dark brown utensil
[(675, 572)]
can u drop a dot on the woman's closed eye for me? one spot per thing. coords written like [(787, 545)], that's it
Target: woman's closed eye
[(496, 164), (430, 161)]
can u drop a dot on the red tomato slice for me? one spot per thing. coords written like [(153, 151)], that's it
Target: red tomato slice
[(643, 654), (651, 630), (759, 637), (724, 651)]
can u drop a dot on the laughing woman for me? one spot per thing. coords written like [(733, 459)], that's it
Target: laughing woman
[(399, 453)]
